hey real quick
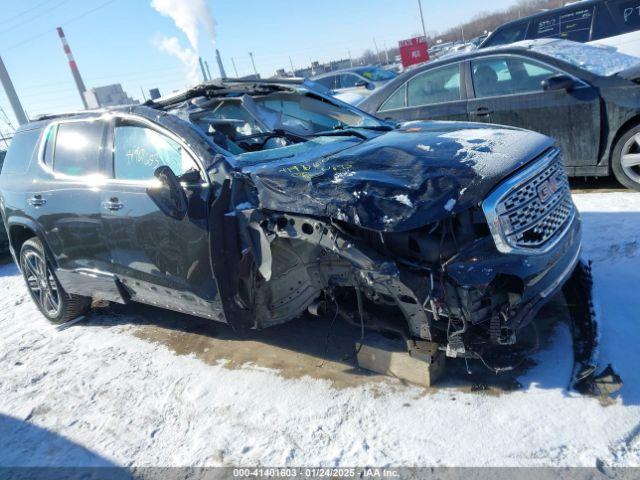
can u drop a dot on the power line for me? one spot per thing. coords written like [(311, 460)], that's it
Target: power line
[(65, 23), (24, 12), (35, 17)]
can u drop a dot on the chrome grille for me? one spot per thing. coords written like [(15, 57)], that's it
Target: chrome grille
[(530, 210)]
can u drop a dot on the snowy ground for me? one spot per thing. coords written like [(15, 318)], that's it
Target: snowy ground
[(103, 392)]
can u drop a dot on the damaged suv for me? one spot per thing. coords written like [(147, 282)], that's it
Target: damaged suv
[(253, 202)]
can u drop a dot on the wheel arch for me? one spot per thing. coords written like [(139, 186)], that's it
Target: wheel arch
[(624, 128), (19, 231)]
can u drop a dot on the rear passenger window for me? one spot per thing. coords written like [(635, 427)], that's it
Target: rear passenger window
[(20, 152), (139, 151), (77, 148)]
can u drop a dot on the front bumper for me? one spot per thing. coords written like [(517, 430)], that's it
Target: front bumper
[(535, 278)]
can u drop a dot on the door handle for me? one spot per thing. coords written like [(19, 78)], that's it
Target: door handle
[(483, 112), (37, 201), (113, 204)]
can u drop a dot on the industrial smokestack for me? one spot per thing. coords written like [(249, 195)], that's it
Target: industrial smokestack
[(74, 68), (223, 74), (204, 72), (12, 95)]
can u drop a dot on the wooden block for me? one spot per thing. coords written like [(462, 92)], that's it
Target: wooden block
[(390, 357)]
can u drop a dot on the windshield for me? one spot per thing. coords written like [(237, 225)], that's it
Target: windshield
[(601, 61), (296, 113), (377, 74), (279, 120)]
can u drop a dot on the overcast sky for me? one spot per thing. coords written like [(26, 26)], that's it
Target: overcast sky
[(113, 40)]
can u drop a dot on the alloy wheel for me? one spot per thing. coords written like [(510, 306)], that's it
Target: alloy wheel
[(630, 158), (41, 283)]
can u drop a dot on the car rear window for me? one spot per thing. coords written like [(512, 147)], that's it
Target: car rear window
[(77, 148), (506, 35), (21, 152)]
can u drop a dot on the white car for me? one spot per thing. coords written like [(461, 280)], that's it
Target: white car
[(614, 23), (353, 85)]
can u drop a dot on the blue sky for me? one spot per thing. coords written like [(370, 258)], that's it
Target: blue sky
[(112, 40)]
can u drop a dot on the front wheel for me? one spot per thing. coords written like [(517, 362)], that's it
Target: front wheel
[(625, 162), (51, 299)]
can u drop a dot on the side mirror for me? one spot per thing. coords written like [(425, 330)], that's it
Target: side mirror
[(169, 195), (365, 84), (558, 82)]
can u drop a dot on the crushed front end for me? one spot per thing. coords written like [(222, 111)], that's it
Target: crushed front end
[(469, 281)]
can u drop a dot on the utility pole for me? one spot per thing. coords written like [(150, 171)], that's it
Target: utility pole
[(233, 62), (424, 30), (350, 57), (18, 111), (255, 70), (462, 30), (74, 68), (377, 50)]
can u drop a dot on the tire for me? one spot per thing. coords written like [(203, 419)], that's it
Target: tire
[(625, 160), (52, 300)]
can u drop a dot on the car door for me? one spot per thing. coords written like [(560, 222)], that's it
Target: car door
[(64, 197), (508, 90), (434, 94), (161, 260)]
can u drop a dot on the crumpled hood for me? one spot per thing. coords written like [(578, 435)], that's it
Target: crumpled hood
[(400, 180)]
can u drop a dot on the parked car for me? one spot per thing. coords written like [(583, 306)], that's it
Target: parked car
[(615, 23), (352, 85), (586, 97), (250, 202)]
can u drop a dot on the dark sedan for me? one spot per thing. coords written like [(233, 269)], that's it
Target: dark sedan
[(586, 97)]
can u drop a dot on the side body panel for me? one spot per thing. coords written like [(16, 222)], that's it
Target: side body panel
[(160, 260)]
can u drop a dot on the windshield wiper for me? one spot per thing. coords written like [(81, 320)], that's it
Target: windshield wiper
[(342, 129), (376, 128), (341, 133)]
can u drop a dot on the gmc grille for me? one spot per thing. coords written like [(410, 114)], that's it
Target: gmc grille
[(528, 212)]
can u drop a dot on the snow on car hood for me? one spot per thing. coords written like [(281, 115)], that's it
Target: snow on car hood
[(400, 180)]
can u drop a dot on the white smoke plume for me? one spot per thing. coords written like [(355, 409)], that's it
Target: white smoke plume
[(188, 15), (187, 56)]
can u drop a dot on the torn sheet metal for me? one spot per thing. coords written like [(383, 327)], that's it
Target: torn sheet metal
[(390, 183)]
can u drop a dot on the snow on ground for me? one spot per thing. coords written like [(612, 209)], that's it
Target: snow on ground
[(95, 394)]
